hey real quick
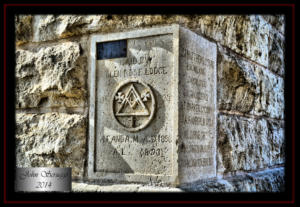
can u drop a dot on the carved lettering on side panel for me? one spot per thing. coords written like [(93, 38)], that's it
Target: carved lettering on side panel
[(197, 107)]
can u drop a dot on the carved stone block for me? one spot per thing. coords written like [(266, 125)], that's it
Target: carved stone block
[(152, 115)]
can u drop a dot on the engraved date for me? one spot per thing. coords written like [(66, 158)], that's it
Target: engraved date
[(151, 152), (43, 185)]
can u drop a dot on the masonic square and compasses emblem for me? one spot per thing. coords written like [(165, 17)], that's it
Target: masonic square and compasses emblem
[(133, 105)]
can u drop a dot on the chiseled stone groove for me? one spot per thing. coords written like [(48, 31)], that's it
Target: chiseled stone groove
[(67, 110), (246, 172), (238, 113), (247, 59)]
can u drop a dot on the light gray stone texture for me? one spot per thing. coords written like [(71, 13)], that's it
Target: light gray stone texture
[(50, 76), (276, 52), (246, 144), (248, 88), (83, 187), (271, 180), (277, 21), (49, 27), (51, 140), (247, 34)]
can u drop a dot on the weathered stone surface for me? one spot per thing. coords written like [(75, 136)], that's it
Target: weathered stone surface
[(83, 187), (51, 140), (276, 52), (247, 87), (249, 144), (51, 76), (49, 27), (247, 34), (271, 180), (237, 83), (23, 28), (270, 99), (277, 21), (276, 43)]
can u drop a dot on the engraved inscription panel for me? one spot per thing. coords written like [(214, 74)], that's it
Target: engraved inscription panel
[(197, 95), (152, 106), (134, 116)]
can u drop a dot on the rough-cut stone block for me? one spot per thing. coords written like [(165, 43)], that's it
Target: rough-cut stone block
[(247, 34), (276, 52), (152, 106), (237, 83), (271, 180), (23, 28), (50, 27), (248, 88), (50, 77), (270, 99), (277, 21), (51, 140), (249, 144)]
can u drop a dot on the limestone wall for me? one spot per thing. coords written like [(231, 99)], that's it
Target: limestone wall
[(52, 92)]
